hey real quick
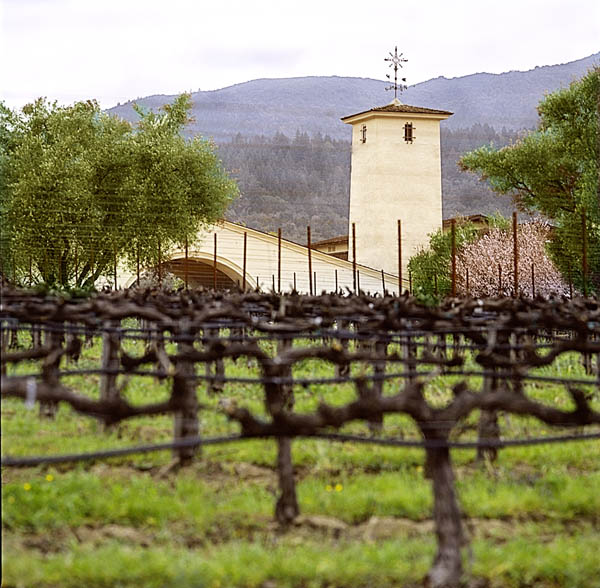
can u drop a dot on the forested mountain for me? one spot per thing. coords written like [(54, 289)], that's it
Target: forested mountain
[(282, 139), (316, 104)]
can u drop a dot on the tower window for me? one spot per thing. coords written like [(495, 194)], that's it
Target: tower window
[(409, 134), (363, 134)]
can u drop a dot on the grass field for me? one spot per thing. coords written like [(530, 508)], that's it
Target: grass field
[(533, 517)]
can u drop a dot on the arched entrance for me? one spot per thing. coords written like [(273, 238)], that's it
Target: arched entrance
[(200, 274)]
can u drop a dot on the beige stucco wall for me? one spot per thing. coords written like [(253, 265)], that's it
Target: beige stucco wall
[(261, 262), (394, 180)]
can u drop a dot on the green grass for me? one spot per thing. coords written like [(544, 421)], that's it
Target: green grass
[(534, 516)]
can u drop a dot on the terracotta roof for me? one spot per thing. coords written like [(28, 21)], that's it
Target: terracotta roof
[(397, 106)]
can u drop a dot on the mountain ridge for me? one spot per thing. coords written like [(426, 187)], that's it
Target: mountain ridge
[(315, 104)]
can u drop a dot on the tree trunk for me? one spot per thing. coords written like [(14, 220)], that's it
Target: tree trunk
[(446, 571)]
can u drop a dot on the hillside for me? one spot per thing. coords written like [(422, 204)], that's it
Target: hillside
[(284, 143), (316, 104)]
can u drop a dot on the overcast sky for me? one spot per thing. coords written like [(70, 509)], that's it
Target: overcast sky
[(118, 50)]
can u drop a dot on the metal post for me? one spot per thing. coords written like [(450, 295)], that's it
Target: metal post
[(336, 282), (354, 257), (453, 246), (295, 289), (310, 277), (383, 281), (533, 280), (137, 263), (515, 254), (315, 283), (358, 280)]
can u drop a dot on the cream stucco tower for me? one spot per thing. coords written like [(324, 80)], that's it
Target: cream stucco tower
[(396, 175)]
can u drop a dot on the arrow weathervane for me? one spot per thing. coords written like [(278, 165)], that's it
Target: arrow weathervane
[(396, 61)]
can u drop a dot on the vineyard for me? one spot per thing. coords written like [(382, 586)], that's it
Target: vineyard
[(204, 438)]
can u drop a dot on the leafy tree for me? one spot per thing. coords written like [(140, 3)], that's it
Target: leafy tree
[(554, 171), (431, 268), (81, 189)]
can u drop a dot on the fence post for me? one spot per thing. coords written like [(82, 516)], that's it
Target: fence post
[(584, 251), (215, 263), (310, 277), (279, 260), (499, 280), (533, 280), (399, 257), (115, 265), (453, 248), (187, 269), (354, 257), (159, 265), (515, 255), (244, 263)]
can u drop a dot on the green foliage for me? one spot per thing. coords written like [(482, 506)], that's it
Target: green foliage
[(431, 268), (554, 171), (81, 189)]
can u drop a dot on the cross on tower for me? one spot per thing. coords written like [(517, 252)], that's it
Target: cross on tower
[(396, 61)]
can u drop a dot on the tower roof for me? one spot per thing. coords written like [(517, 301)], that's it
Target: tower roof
[(397, 107)]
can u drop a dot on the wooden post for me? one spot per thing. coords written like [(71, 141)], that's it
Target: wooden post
[(159, 265), (315, 283), (137, 263), (279, 260), (467, 280), (570, 284), (453, 246), (515, 255), (410, 282), (336, 282), (399, 257), (358, 280), (532, 280), (31, 272), (115, 266), (354, 276), (295, 290), (76, 267), (584, 251), (186, 268), (310, 278), (499, 280), (215, 263), (244, 263), (383, 281)]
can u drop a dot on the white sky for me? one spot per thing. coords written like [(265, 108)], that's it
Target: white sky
[(118, 50)]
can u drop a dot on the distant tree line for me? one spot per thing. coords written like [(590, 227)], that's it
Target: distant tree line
[(292, 182)]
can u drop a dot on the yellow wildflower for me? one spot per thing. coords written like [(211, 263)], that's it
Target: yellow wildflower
[(338, 487), (27, 486), (49, 477)]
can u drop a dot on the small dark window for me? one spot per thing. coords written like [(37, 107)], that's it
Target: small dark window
[(363, 134), (409, 134)]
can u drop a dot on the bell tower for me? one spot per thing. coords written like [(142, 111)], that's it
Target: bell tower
[(395, 175)]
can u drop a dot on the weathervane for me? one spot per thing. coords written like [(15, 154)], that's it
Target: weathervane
[(395, 62)]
